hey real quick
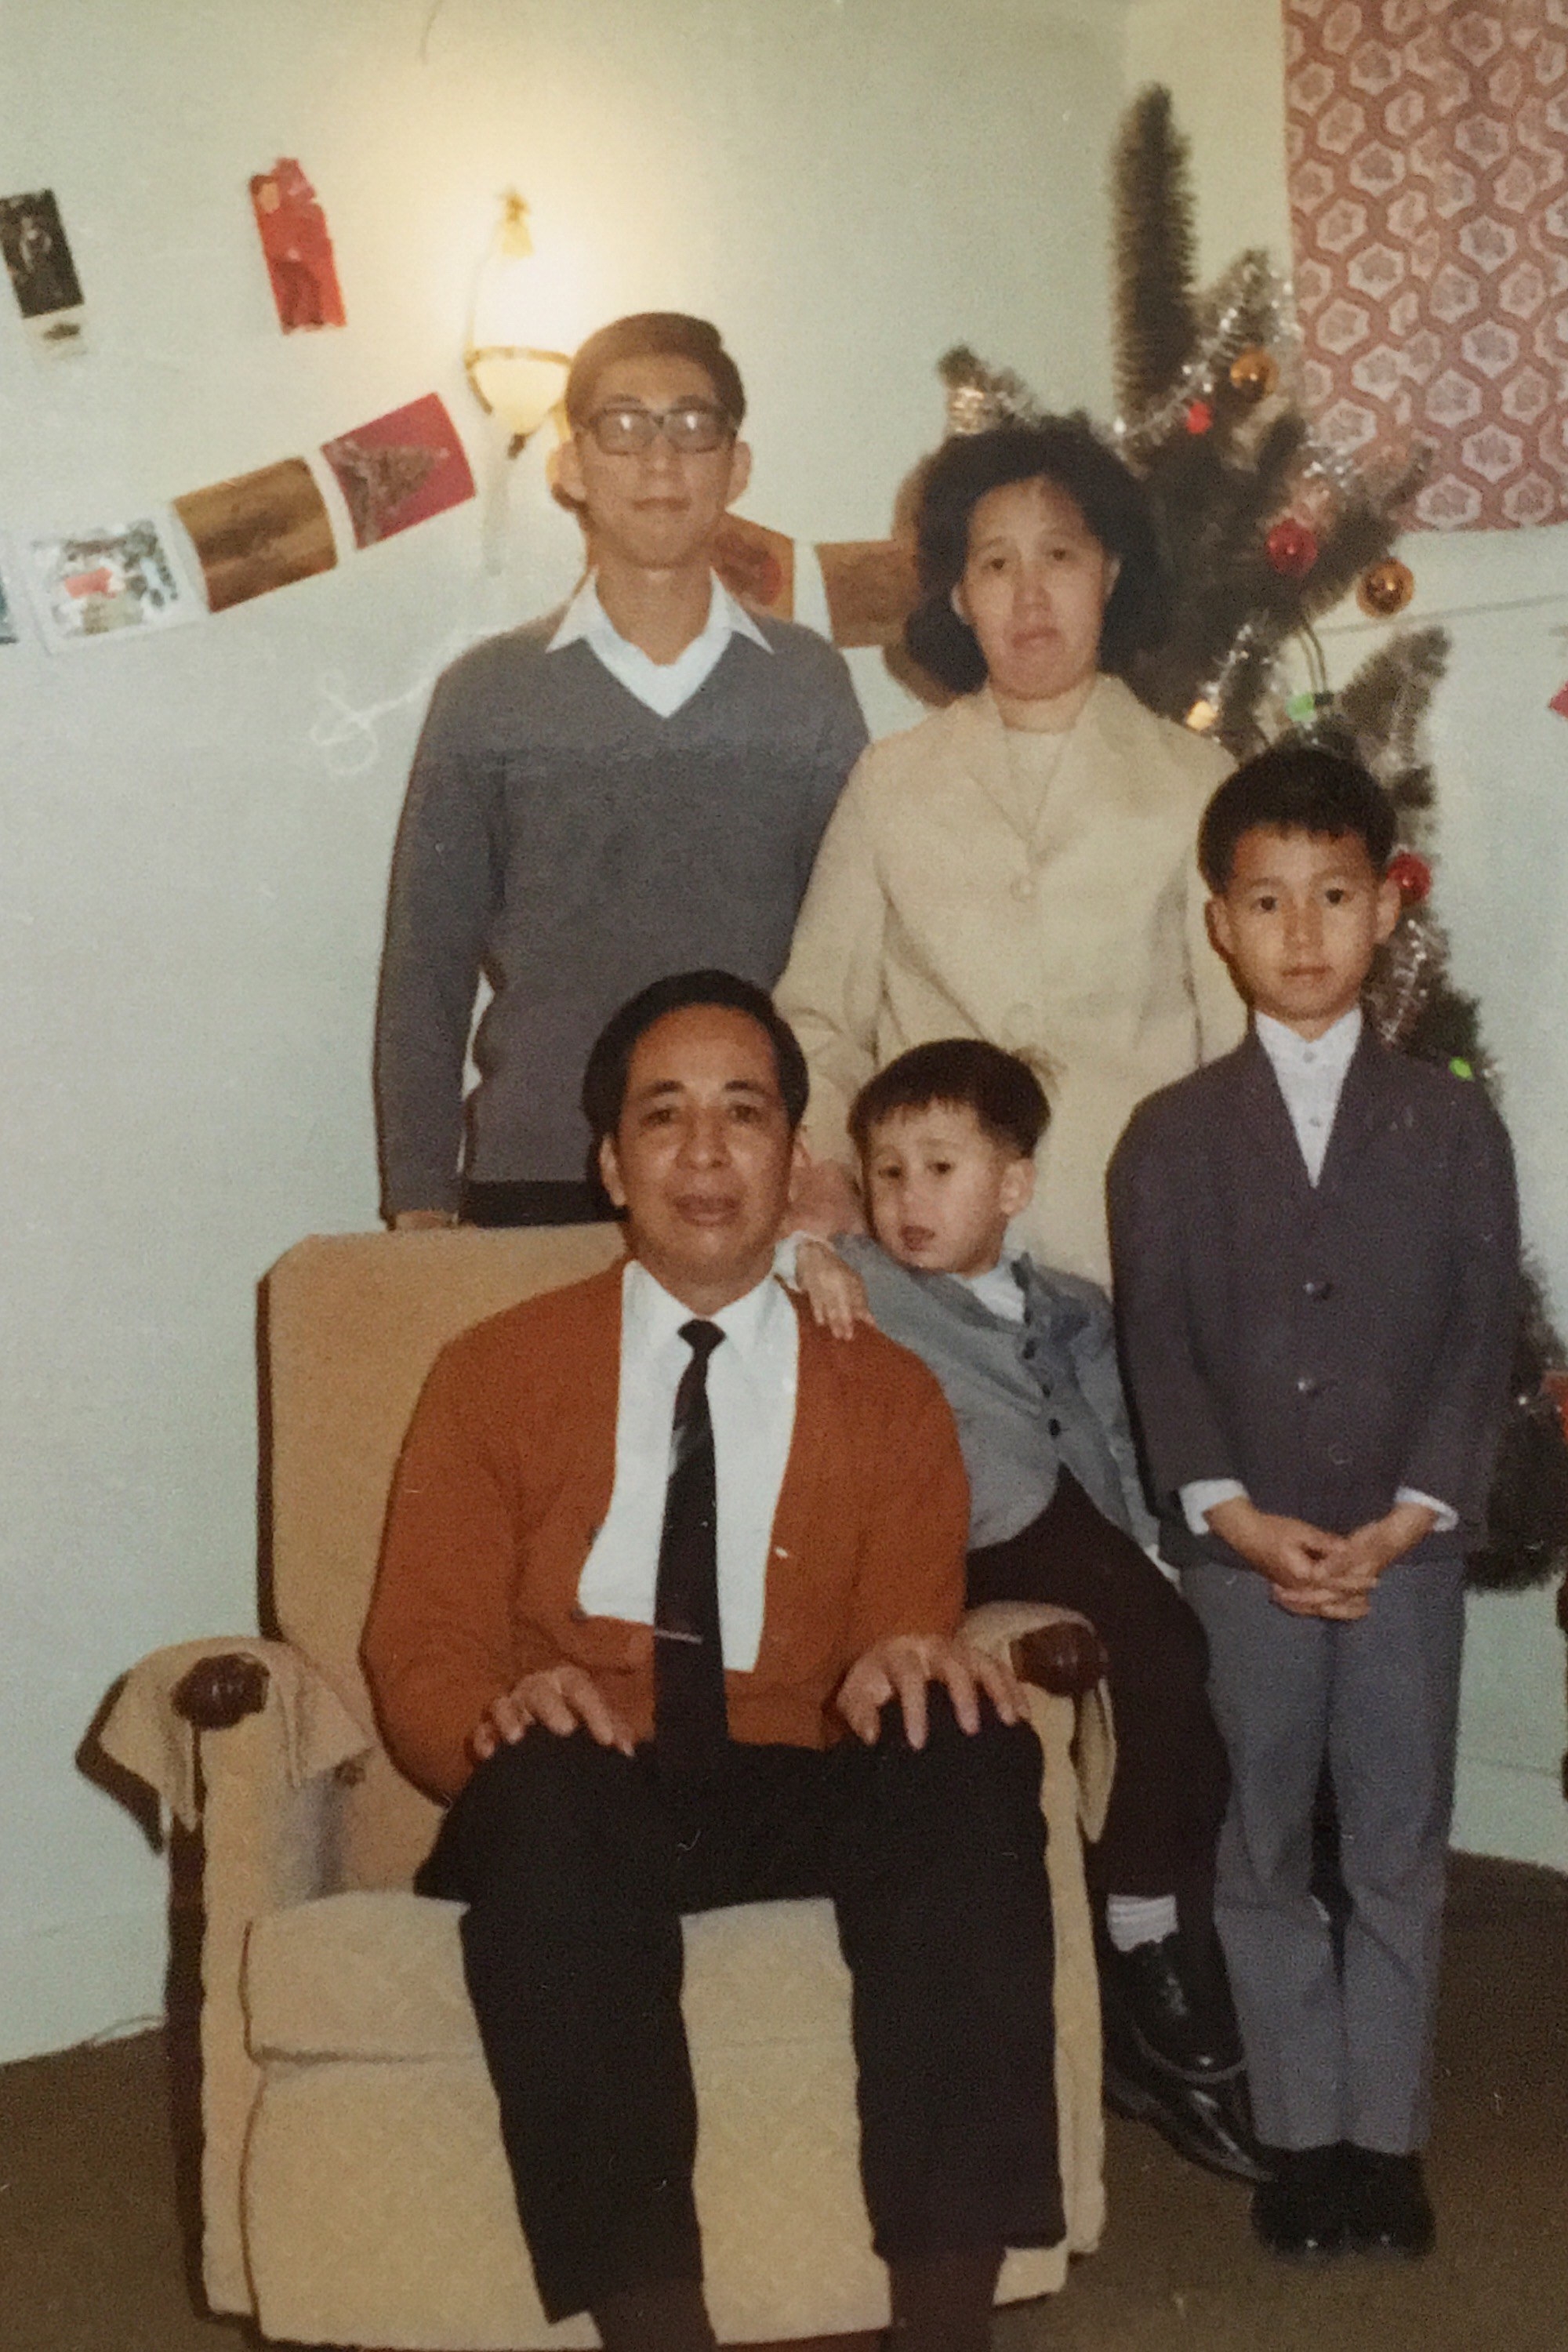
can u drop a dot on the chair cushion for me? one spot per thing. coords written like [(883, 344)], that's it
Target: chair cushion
[(379, 1976)]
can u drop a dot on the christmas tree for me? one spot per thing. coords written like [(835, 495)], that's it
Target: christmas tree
[(1265, 528)]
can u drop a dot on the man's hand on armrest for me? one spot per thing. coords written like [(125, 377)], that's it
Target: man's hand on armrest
[(903, 1666), (823, 1199), (558, 1698)]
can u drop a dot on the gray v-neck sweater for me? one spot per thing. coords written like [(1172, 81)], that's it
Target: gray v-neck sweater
[(567, 842)]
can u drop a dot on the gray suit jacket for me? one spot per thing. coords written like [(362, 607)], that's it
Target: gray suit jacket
[(1029, 1399), (1326, 1344)]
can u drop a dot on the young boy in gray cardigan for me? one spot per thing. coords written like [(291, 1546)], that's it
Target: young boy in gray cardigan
[(1027, 1360)]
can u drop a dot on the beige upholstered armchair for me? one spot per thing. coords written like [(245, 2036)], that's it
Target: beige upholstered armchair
[(354, 2189)]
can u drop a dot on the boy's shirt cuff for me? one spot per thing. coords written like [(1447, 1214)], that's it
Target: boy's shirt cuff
[(1200, 1497), (1447, 1518)]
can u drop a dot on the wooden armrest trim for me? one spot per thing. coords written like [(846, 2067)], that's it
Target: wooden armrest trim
[(1067, 1659), (220, 1692)]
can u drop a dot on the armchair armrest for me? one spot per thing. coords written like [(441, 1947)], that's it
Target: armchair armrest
[(221, 1690), (242, 1740)]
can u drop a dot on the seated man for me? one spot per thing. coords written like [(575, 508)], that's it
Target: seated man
[(1027, 1359), (657, 1544)]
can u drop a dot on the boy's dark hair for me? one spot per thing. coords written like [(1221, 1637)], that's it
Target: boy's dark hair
[(1066, 452), (1295, 788), (604, 1079), (655, 334), (1003, 1092)]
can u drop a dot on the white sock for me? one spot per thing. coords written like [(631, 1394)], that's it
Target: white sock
[(1134, 1919)]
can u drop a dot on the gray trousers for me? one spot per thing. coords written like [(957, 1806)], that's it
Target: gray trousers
[(1330, 2054)]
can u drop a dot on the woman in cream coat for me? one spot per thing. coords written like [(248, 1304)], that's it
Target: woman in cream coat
[(1020, 866)]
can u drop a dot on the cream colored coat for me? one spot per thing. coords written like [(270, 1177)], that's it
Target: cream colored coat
[(1070, 931)]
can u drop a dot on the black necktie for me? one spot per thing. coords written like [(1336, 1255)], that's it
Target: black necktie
[(689, 1724)]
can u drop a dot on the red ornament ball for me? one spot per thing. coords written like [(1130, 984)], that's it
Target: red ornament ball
[(1291, 549), (1413, 874), (1199, 417)]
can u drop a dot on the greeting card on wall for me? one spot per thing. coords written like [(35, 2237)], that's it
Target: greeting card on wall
[(297, 247), (870, 585), (400, 468), (108, 582), (10, 633), (258, 531), (757, 565), (42, 273)]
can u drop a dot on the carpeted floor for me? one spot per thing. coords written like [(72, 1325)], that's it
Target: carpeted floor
[(92, 2257)]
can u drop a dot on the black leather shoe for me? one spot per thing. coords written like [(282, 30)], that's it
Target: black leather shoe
[(1387, 2209), (1301, 2213), (1156, 2006), (1208, 2122)]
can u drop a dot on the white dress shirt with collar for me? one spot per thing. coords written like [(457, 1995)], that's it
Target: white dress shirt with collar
[(1312, 1074), (663, 686), (751, 1383)]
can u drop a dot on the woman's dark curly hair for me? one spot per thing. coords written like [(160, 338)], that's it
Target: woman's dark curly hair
[(1068, 453)]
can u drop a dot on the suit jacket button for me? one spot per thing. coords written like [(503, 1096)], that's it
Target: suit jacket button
[(1056, 1428), (1308, 1385), (1319, 1287)]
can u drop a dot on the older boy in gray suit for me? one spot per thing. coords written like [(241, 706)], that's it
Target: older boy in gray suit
[(1027, 1359), (1315, 1247)]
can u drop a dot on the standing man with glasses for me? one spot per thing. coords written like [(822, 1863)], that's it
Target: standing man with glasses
[(631, 787)]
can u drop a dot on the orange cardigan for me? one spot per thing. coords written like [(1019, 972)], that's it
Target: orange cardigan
[(505, 1479)]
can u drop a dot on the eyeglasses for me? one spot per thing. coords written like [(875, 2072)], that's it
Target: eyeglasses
[(693, 428)]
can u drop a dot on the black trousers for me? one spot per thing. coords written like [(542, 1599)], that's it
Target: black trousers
[(576, 1864), (1168, 1798)]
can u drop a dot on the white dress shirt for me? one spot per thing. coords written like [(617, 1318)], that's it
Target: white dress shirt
[(1312, 1074), (997, 1289), (751, 1381), (664, 687)]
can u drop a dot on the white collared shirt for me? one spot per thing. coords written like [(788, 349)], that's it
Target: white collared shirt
[(663, 686), (998, 1290), (751, 1381), (1312, 1074)]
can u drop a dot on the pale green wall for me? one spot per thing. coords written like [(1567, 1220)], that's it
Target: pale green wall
[(191, 886), (1502, 768)]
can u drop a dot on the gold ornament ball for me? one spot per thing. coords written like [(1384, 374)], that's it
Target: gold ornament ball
[(1386, 588), (1254, 374)]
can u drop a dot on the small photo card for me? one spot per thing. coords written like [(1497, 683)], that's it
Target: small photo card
[(10, 633), (42, 273), (258, 531), (756, 565), (296, 249), (870, 585), (109, 583), (400, 469)]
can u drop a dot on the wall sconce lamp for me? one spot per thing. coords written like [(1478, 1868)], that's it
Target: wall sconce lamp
[(512, 378)]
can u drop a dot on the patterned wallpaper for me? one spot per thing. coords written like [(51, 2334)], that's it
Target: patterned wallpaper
[(1429, 172)]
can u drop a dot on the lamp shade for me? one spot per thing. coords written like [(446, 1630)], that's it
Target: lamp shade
[(514, 373)]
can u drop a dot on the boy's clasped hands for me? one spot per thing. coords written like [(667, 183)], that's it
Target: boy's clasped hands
[(1311, 1573)]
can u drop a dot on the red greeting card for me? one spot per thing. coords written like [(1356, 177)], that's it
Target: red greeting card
[(298, 248), (400, 468)]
